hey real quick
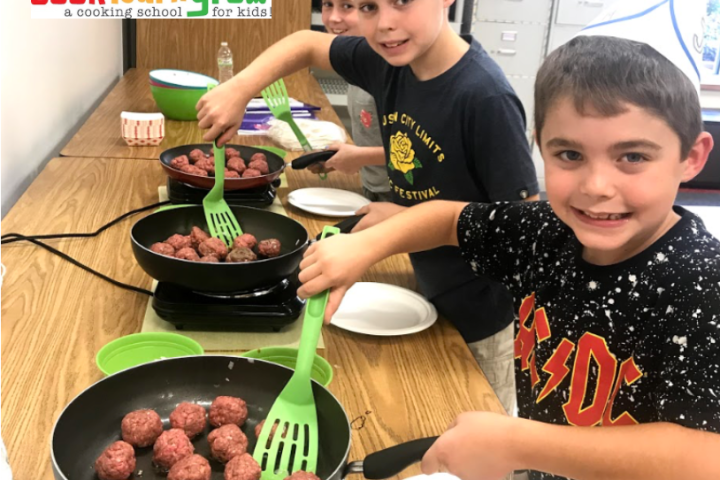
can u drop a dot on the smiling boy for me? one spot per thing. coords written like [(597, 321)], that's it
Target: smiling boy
[(617, 291)]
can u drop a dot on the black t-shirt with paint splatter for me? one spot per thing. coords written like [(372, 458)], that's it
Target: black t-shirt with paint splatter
[(634, 342)]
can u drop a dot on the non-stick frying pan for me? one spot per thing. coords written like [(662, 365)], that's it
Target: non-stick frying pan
[(92, 420), (219, 277), (276, 166)]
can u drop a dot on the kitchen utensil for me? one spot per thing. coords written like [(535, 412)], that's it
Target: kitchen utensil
[(220, 219), (219, 277), (275, 162), (294, 410), (91, 421), (278, 101)]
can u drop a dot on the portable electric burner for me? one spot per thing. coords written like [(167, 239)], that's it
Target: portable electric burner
[(182, 193), (266, 310)]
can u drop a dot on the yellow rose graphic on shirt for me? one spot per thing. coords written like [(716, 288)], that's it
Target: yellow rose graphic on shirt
[(402, 156)]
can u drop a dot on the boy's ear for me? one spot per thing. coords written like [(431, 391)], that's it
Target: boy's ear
[(447, 3), (697, 158)]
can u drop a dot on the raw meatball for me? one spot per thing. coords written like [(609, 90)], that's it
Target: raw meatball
[(269, 248), (259, 427), (225, 410), (241, 255), (242, 467), (163, 249), (213, 246), (231, 152), (197, 236), (237, 164), (116, 462), (209, 259), (171, 447), (180, 161), (194, 467), (246, 240), (231, 174), (179, 242), (141, 428), (193, 170), (197, 155), (260, 166), (302, 475), (189, 416), (258, 156), (227, 442), (251, 172), (207, 165), (187, 254)]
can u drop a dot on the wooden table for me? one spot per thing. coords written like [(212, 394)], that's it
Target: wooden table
[(55, 316), (100, 135)]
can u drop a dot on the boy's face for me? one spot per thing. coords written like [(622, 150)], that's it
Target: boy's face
[(401, 31), (340, 17), (613, 180)]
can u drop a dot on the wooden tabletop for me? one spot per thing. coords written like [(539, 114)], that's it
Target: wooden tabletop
[(100, 136), (55, 316)]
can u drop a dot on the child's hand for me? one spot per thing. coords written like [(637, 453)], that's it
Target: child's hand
[(221, 110), (330, 264), (375, 213), (476, 446), (348, 158)]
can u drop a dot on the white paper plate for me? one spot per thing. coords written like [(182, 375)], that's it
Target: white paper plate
[(710, 217), (329, 202), (384, 310), (182, 79)]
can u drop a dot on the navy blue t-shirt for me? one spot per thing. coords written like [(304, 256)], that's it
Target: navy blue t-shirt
[(458, 136)]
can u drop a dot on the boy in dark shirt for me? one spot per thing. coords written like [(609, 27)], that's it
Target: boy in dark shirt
[(452, 128), (617, 292)]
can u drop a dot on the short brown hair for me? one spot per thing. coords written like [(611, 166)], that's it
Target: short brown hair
[(606, 72)]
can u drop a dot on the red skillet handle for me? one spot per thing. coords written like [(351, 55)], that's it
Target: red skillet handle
[(391, 461)]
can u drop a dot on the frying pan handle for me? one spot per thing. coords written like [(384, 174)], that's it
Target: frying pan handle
[(391, 461), (346, 225), (314, 157)]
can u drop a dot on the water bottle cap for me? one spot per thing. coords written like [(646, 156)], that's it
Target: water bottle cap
[(223, 44)]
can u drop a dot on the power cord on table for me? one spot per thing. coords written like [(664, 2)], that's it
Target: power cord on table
[(9, 238)]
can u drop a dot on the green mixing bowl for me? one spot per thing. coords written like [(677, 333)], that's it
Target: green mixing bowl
[(138, 348), (177, 103), (322, 372)]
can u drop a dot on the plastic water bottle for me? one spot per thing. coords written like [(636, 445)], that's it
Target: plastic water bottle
[(225, 63)]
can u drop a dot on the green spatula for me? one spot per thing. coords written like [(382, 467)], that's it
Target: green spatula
[(294, 445), (220, 219)]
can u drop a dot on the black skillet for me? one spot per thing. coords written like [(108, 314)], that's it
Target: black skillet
[(92, 420), (219, 277)]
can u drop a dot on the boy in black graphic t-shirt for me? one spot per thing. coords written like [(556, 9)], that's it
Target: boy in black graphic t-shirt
[(452, 128), (616, 291)]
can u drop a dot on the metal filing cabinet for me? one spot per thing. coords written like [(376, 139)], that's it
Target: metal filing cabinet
[(517, 48), (515, 34)]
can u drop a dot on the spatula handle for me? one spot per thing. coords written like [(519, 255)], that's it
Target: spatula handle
[(312, 323)]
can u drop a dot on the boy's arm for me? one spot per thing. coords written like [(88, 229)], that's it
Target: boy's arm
[(349, 159), (340, 261), (482, 445), (221, 111)]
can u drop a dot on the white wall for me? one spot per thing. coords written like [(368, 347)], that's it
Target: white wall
[(54, 73)]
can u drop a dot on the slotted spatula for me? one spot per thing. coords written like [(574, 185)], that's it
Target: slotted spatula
[(294, 446), (220, 219)]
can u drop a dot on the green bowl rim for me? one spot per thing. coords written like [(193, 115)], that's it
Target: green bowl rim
[(323, 363), (167, 337)]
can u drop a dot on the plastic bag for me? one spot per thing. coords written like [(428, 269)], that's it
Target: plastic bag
[(318, 133)]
